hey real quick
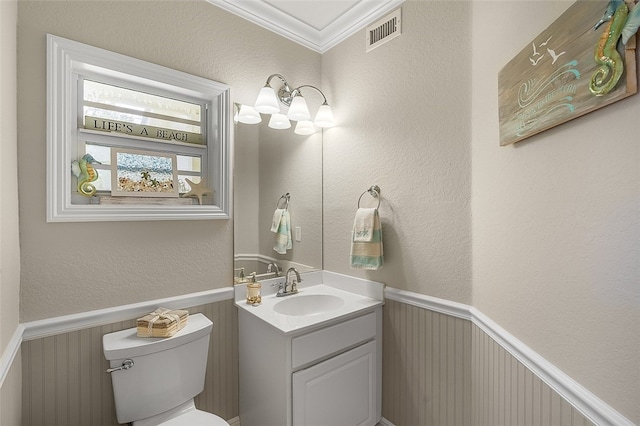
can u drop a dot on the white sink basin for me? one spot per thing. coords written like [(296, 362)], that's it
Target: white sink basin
[(315, 304), (308, 304)]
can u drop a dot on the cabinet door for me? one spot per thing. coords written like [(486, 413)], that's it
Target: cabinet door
[(340, 391)]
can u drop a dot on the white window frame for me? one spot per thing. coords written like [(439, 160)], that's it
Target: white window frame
[(65, 60)]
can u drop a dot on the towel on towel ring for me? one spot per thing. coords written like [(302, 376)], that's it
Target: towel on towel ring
[(281, 226), (366, 240)]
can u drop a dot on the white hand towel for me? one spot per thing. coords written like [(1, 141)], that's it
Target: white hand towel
[(277, 216), (363, 225)]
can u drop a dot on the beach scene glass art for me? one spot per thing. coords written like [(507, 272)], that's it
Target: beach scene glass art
[(144, 174)]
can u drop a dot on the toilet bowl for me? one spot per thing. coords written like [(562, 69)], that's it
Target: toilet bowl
[(185, 415), (155, 379)]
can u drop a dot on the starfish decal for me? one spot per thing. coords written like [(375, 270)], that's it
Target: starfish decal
[(197, 190)]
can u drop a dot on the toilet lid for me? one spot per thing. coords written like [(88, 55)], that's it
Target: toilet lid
[(195, 418)]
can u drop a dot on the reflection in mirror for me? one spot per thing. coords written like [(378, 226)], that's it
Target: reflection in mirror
[(268, 164)]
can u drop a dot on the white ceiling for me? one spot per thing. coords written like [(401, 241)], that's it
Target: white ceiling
[(318, 25)]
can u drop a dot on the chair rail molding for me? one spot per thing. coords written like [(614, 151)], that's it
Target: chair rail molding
[(64, 324), (10, 352), (67, 323), (592, 407)]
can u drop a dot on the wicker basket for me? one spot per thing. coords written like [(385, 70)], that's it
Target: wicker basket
[(161, 323)]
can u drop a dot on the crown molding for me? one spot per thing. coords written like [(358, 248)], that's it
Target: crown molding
[(319, 40)]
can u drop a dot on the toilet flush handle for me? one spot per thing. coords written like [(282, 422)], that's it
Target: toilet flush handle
[(126, 364)]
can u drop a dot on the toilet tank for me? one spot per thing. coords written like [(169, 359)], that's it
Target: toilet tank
[(166, 372)]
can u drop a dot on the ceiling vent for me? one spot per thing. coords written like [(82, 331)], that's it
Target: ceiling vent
[(384, 30)]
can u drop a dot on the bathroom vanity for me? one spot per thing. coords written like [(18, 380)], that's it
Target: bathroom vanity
[(313, 358)]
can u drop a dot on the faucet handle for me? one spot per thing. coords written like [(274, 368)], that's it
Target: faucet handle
[(294, 284), (282, 286)]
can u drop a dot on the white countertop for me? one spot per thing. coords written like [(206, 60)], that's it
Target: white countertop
[(358, 295)]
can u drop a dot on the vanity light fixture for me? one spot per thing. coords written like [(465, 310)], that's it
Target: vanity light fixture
[(267, 103)]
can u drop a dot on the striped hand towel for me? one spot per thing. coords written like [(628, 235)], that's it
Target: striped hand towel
[(366, 241), (282, 231)]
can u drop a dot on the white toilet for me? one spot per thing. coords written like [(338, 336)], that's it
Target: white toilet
[(155, 379)]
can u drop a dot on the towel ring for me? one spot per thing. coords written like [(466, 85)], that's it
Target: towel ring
[(374, 191), (286, 197)]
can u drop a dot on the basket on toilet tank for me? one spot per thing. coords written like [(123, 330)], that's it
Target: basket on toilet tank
[(161, 323), (155, 379)]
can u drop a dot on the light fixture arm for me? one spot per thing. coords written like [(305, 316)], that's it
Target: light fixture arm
[(297, 91), (284, 81), (285, 94)]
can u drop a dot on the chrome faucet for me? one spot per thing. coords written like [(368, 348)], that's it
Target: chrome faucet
[(291, 284), (276, 267)]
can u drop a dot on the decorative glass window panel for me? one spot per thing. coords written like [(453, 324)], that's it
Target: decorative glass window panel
[(189, 164), (143, 174), (100, 153), (110, 108)]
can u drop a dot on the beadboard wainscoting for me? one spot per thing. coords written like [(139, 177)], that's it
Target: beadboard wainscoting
[(426, 367), (64, 383), (505, 392), (442, 370), (9, 399), (445, 363)]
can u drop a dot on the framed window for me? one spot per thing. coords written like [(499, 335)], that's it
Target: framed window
[(131, 140)]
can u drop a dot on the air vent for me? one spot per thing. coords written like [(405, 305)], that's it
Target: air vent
[(384, 30)]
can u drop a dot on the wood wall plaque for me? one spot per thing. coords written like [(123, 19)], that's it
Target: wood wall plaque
[(548, 82)]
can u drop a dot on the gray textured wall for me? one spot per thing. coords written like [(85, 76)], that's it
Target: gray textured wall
[(75, 267)]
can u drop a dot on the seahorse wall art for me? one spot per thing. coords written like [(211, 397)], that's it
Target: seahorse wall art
[(619, 23), (86, 173)]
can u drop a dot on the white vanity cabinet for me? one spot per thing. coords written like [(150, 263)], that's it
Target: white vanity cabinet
[(329, 374), (339, 391)]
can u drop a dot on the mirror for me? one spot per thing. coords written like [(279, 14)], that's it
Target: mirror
[(269, 163)]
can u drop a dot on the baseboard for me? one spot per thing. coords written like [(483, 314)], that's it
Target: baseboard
[(587, 403), (234, 421)]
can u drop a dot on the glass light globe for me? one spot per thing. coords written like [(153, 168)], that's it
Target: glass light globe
[(248, 115), (304, 127), (324, 117), (267, 102), (298, 110), (279, 121)]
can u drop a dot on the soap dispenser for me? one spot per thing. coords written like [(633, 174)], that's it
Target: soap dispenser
[(253, 291)]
